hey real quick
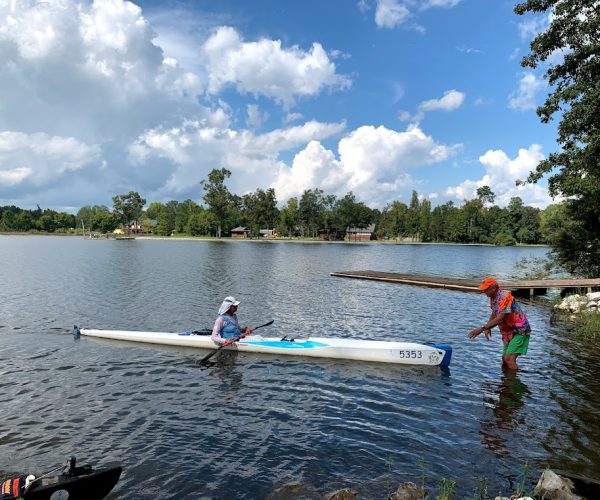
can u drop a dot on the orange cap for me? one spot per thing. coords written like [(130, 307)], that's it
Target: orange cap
[(488, 282)]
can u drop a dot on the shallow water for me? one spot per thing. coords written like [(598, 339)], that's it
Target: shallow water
[(256, 426)]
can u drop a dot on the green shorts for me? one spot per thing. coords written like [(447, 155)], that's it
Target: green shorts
[(518, 345)]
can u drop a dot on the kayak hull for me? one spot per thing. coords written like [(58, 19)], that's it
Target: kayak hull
[(76, 483), (409, 353)]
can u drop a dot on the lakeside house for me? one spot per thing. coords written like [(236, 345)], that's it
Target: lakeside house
[(360, 233), (240, 232)]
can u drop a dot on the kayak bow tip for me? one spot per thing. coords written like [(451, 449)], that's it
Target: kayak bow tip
[(447, 348)]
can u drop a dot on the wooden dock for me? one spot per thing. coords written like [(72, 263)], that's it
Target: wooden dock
[(521, 288)]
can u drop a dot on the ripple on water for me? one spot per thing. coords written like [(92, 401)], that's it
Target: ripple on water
[(265, 426)]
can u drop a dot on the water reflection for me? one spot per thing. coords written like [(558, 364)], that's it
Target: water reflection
[(505, 399), (225, 368)]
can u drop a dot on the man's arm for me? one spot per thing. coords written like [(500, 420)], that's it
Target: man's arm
[(491, 323)]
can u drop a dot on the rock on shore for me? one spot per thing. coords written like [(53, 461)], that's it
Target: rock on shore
[(590, 302)]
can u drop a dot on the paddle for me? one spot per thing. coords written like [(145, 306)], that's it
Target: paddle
[(210, 355)]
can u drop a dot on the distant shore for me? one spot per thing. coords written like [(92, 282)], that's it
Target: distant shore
[(264, 240)]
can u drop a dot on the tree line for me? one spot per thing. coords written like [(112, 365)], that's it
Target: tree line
[(312, 214)]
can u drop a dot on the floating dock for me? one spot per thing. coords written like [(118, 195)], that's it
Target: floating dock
[(521, 287)]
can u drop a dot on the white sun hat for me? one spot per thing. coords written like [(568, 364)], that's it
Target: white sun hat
[(227, 303)]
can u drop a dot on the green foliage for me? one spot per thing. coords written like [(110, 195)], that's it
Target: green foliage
[(446, 489), (128, 207), (15, 219), (260, 210), (521, 487), (217, 196), (587, 325), (421, 464), (482, 491), (573, 171), (311, 211), (485, 194), (289, 217), (534, 268)]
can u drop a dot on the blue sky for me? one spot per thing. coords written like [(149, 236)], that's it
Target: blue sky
[(378, 97)]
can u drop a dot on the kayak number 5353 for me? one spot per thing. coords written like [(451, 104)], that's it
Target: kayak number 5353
[(410, 354)]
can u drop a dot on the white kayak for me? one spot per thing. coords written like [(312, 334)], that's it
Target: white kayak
[(409, 353)]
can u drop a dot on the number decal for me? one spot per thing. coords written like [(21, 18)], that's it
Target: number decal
[(410, 354)]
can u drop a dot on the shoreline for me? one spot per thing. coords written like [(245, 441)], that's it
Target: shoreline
[(275, 240)]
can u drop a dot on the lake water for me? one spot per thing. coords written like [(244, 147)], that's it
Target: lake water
[(256, 426)]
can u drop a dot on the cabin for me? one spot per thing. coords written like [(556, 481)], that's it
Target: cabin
[(240, 232), (360, 233), (266, 233)]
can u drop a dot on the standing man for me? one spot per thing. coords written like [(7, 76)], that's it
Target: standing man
[(508, 316)]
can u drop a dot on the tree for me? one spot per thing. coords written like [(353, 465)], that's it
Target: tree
[(345, 211), (552, 222), (260, 209), (486, 195), (393, 220), (185, 210), (217, 196), (288, 219), (574, 32), (311, 209), (413, 219), (128, 207)]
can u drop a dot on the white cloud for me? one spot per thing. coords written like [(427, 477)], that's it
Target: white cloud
[(450, 101), (524, 98), (428, 4), (264, 68), (373, 163), (501, 174), (393, 13), (193, 150), (35, 160), (292, 117), (256, 117), (390, 13), (532, 26)]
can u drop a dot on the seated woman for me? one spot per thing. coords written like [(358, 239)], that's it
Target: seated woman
[(227, 329)]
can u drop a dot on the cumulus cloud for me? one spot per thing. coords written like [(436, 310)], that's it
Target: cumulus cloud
[(256, 117), (194, 150), (390, 13), (265, 68), (89, 98), (393, 13), (428, 4), (373, 162), (501, 174), (36, 160), (524, 98), (450, 101)]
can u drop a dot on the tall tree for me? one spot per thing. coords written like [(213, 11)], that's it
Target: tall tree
[(485, 194), (128, 207), (217, 196), (311, 209), (573, 33), (260, 209), (413, 219), (288, 220)]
